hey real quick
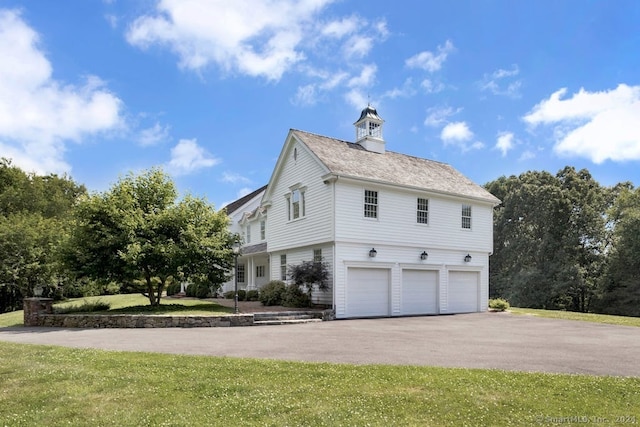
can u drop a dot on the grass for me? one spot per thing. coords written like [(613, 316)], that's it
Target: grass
[(586, 317), (130, 304), (42, 385)]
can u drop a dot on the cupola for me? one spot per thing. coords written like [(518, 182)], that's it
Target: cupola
[(369, 130)]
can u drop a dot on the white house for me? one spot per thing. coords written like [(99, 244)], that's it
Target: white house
[(402, 235)]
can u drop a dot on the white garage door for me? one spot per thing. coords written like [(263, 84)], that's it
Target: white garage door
[(419, 292), (463, 291), (368, 292)]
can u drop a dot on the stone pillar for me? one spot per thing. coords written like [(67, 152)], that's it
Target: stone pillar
[(34, 307)]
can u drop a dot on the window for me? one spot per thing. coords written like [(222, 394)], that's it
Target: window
[(370, 204), (295, 204), (259, 270), (249, 233), (374, 130), (263, 230), (240, 273), (423, 211), (283, 267), (317, 255), (466, 216)]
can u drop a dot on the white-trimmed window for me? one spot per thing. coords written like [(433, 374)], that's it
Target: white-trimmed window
[(296, 203), (466, 217), (317, 255), (422, 211), (370, 204), (249, 233), (259, 270), (240, 273), (283, 267), (263, 230)]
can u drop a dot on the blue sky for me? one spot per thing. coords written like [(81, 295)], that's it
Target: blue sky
[(208, 89)]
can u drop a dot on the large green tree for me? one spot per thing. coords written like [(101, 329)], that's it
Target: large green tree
[(621, 290), (139, 231), (34, 219), (549, 239)]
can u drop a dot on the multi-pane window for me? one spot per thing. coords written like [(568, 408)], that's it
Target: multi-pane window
[(423, 211), (248, 233), (259, 270), (374, 130), (466, 216), (295, 204), (283, 267), (370, 204), (317, 255), (263, 230), (240, 273)]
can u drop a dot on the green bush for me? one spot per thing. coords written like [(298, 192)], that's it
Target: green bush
[(173, 289), (294, 296), (198, 290), (242, 295), (253, 295), (229, 295), (271, 293), (86, 307), (499, 304)]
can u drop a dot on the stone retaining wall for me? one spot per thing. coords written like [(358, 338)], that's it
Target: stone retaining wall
[(39, 312), (141, 321)]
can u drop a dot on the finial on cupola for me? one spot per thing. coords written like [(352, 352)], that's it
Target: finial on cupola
[(369, 130)]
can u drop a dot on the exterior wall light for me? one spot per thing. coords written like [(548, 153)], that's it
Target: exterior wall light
[(424, 255), (373, 253), (467, 258)]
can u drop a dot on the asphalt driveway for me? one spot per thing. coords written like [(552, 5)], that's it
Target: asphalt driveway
[(479, 340)]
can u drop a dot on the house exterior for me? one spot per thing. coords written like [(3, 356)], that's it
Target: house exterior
[(402, 235)]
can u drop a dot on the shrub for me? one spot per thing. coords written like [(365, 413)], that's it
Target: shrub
[(198, 290), (242, 295), (294, 296), (271, 293), (253, 295), (229, 295), (173, 289), (499, 304), (86, 307)]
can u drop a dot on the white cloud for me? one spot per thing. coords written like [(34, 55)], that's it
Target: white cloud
[(599, 126), (405, 91), (357, 98), (153, 135), (342, 27), (437, 116), (501, 82), (527, 155), (235, 178), (430, 86), (366, 77), (188, 157), (430, 61), (458, 134), (504, 143), (257, 38), (457, 131), (38, 114)]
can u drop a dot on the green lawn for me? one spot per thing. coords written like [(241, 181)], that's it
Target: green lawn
[(53, 386), (132, 304), (588, 317)]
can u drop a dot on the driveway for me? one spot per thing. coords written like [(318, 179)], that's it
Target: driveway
[(479, 340)]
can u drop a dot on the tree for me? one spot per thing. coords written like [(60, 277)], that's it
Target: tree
[(138, 231), (621, 291), (310, 274), (34, 212), (549, 239)]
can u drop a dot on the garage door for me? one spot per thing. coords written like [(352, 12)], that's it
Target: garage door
[(368, 292), (463, 291), (419, 292)]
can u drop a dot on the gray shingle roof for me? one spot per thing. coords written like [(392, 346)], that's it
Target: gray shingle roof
[(347, 159)]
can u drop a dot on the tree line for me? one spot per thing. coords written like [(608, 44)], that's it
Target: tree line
[(566, 242), (137, 236)]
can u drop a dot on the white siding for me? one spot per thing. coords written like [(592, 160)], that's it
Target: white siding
[(396, 223), (317, 224)]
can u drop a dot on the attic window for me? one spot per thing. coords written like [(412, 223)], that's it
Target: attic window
[(295, 203), (295, 153), (466, 217), (370, 204), (423, 211)]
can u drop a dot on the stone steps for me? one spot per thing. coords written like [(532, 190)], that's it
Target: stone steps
[(286, 317)]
